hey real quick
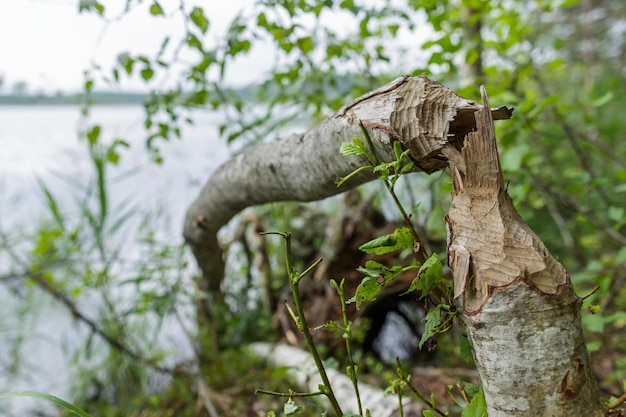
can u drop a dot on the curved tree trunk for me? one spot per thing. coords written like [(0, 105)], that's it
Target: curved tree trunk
[(517, 302), (420, 113)]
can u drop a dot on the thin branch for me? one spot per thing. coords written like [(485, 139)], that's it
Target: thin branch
[(42, 283), (290, 394), (619, 401), (556, 215), (572, 137), (422, 398), (592, 217), (301, 322)]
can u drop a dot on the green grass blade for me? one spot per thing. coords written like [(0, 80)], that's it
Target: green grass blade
[(51, 398), (52, 203)]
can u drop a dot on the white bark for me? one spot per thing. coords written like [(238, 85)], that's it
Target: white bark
[(517, 301), (304, 372), (531, 355)]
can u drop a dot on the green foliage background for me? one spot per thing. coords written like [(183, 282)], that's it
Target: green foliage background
[(560, 64)]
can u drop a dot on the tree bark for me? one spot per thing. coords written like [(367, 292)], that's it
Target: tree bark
[(420, 113), (516, 301)]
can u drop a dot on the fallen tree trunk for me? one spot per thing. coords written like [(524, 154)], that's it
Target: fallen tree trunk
[(517, 302), (420, 113)]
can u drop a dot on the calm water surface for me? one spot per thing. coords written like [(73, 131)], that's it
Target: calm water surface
[(41, 142)]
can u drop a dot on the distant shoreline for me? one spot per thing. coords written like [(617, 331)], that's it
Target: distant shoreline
[(96, 98)]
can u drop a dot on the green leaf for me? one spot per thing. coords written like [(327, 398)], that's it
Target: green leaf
[(113, 156), (93, 134), (239, 46), (593, 308), (428, 277), (434, 322), (385, 169), (126, 61), (594, 345), (466, 349), (156, 9), (470, 388), (376, 270), (601, 101), (367, 291), (436, 58), (91, 5), (407, 168), (397, 149), (514, 157), (51, 398), (347, 4), (52, 204), (477, 407), (147, 73), (305, 44), (354, 148), (373, 269), (594, 322), (428, 413), (194, 42), (400, 239), (199, 19), (616, 214)]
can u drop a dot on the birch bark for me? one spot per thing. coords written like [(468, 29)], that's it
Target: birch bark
[(421, 113), (516, 301)]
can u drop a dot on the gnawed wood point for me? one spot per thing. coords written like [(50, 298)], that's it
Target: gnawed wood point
[(517, 302), (490, 246)]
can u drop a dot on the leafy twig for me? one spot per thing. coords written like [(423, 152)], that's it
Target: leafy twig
[(389, 174), (407, 379), (618, 401), (42, 283), (289, 394), (347, 336), (294, 280)]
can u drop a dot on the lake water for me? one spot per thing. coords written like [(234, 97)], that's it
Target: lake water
[(40, 142)]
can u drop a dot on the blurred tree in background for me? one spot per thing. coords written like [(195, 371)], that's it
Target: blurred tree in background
[(561, 65)]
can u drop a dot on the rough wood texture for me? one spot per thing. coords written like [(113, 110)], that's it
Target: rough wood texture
[(420, 113), (517, 301)]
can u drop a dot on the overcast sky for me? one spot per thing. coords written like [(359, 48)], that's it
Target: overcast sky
[(48, 44)]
